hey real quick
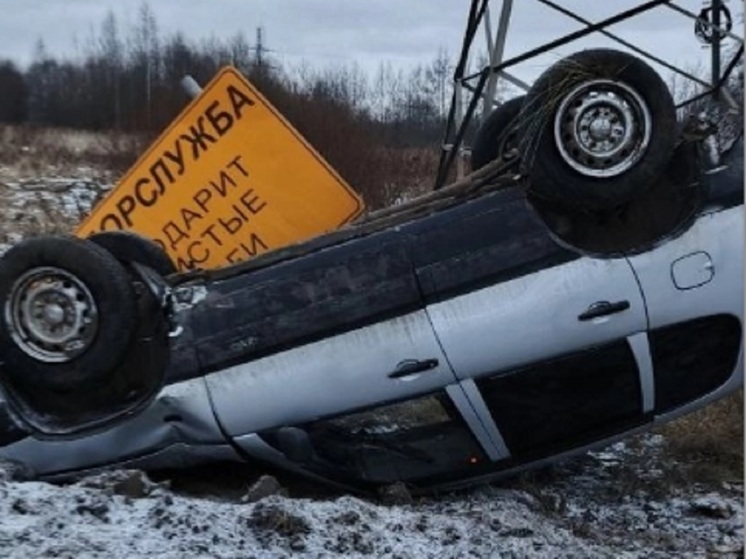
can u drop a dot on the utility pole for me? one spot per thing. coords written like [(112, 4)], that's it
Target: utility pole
[(259, 48), (260, 53)]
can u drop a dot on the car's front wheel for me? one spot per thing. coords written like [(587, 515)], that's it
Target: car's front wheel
[(69, 311), (83, 337), (127, 246)]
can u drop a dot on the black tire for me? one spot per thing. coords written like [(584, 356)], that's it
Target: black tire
[(131, 247), (77, 272), (497, 133), (560, 130)]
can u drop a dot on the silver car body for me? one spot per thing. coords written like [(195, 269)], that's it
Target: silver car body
[(464, 341)]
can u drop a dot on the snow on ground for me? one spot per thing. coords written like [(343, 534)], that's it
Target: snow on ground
[(622, 502), (582, 511), (48, 205)]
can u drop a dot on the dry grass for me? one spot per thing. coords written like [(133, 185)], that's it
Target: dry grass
[(709, 443), (31, 152), (383, 176), (703, 450), (403, 174)]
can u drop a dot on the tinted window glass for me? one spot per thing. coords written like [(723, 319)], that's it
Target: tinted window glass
[(693, 358), (410, 441), (565, 402)]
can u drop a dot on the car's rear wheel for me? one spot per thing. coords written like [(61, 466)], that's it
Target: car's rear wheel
[(127, 246), (69, 312), (599, 127)]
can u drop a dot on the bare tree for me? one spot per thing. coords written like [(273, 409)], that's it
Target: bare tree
[(112, 54), (439, 74)]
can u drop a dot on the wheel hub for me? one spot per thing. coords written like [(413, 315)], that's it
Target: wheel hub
[(602, 128), (54, 314), (51, 314)]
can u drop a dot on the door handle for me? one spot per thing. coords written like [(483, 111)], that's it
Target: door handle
[(603, 308), (412, 366)]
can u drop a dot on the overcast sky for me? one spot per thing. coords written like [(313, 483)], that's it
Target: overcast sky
[(335, 32)]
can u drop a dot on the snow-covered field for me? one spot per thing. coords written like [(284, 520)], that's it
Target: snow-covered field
[(634, 499), (582, 508)]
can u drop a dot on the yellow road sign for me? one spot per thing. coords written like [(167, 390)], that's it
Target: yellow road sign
[(228, 180)]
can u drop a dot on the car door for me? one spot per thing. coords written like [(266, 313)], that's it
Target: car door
[(693, 285), (547, 342), (309, 353)]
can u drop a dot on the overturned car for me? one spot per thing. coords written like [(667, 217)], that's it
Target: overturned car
[(583, 284)]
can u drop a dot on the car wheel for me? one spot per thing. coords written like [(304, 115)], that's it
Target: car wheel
[(498, 134), (600, 129), (69, 311), (131, 247)]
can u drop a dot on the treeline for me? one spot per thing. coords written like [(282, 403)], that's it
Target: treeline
[(130, 81)]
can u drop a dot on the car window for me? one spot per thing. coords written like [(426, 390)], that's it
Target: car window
[(693, 358), (562, 403), (413, 440)]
